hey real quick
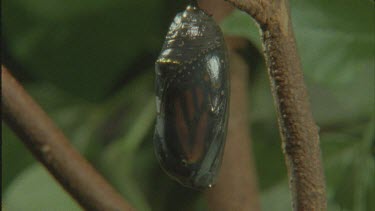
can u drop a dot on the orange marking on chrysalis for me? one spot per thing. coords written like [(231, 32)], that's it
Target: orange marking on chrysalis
[(181, 127), (193, 149), (200, 96), (199, 141), (190, 104)]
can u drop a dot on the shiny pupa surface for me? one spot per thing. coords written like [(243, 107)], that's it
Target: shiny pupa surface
[(192, 99)]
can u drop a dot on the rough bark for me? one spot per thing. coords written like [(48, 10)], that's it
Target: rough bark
[(299, 133)]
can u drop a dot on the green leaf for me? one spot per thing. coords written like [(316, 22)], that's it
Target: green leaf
[(34, 190), (241, 24), (15, 156), (268, 154), (124, 152), (350, 167), (82, 47), (335, 38), (342, 105), (116, 116), (277, 198)]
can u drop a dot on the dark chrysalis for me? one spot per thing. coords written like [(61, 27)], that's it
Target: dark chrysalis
[(192, 98)]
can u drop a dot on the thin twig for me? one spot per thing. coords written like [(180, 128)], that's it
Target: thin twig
[(298, 130), (50, 146)]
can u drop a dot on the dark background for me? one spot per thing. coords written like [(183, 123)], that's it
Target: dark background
[(90, 65)]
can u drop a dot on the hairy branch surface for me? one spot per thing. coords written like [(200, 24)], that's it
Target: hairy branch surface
[(299, 133)]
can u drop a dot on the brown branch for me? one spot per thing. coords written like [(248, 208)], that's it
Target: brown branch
[(236, 188), (49, 145), (298, 130)]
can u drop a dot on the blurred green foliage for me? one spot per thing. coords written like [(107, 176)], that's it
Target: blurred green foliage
[(90, 65)]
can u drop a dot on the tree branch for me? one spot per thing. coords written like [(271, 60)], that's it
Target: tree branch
[(236, 188), (299, 133), (49, 145)]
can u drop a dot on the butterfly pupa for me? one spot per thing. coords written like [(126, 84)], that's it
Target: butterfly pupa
[(192, 99)]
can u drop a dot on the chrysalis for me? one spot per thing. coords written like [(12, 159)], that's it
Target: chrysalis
[(192, 99)]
